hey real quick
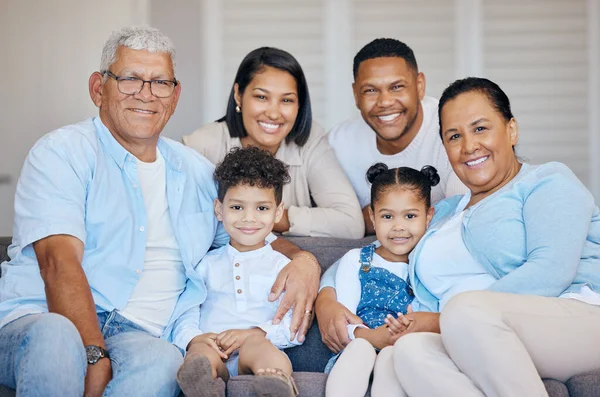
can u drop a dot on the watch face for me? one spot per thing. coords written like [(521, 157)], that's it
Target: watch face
[(93, 354)]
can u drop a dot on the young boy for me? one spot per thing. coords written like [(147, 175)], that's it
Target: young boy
[(239, 337)]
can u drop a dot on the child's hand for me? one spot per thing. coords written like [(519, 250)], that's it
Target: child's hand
[(209, 339), (397, 325), (231, 340)]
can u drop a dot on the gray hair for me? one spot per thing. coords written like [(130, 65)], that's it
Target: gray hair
[(136, 38)]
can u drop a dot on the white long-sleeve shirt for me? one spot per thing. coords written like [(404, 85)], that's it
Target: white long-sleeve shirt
[(238, 286), (347, 281)]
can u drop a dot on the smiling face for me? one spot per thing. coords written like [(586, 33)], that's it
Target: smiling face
[(388, 93), (479, 143), (269, 107), (248, 214), (137, 119), (400, 218)]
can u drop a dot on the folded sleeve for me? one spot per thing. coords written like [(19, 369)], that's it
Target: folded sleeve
[(279, 334)]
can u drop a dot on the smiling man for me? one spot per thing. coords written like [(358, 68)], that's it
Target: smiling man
[(398, 125), (101, 294)]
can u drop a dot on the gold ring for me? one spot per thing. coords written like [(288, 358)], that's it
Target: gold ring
[(308, 312)]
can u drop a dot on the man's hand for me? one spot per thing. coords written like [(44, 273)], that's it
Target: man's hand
[(300, 280), (97, 377), (333, 318), (369, 228), (231, 340), (284, 223), (210, 339)]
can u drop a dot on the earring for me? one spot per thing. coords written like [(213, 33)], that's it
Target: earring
[(237, 108)]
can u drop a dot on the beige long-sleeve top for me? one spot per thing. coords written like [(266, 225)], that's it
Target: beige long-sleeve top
[(314, 172)]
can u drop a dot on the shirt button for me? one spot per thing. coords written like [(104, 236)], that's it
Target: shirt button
[(237, 277), (239, 291), (142, 228), (237, 265)]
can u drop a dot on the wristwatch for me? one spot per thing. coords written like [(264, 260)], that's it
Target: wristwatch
[(94, 354)]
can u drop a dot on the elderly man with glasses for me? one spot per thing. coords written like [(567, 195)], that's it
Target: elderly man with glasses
[(101, 294)]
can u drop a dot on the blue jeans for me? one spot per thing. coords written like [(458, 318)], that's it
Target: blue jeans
[(43, 355)]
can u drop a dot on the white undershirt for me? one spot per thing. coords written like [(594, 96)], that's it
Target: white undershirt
[(163, 277), (355, 146), (446, 267)]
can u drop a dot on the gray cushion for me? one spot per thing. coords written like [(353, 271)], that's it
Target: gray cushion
[(310, 384), (327, 249), (585, 385)]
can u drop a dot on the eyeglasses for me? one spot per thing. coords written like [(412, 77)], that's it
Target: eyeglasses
[(134, 85)]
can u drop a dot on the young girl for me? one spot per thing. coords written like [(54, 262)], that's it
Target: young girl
[(371, 281)]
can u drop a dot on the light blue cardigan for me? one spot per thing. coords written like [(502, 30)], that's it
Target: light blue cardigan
[(539, 234)]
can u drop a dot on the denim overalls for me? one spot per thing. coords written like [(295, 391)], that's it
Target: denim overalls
[(382, 293)]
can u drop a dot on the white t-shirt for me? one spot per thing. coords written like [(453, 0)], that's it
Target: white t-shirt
[(163, 277), (355, 145), (446, 267)]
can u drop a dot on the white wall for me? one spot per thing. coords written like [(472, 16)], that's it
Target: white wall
[(545, 53), (49, 49)]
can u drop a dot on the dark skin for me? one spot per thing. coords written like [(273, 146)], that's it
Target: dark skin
[(384, 86)]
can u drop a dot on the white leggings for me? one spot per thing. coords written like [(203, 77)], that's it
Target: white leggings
[(495, 344), (350, 374)]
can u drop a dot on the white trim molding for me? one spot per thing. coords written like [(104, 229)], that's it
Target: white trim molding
[(213, 64), (338, 56), (594, 95), (469, 38)]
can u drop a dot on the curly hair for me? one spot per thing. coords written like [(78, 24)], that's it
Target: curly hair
[(251, 166)]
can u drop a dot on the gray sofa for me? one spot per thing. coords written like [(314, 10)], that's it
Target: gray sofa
[(310, 358)]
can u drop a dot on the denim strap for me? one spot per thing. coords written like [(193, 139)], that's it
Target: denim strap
[(366, 256)]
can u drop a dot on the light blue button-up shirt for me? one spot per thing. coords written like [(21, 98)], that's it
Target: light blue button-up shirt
[(79, 181)]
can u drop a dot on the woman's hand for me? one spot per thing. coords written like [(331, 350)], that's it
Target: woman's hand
[(300, 280)]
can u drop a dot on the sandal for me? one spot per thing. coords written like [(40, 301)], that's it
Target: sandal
[(195, 378), (274, 384)]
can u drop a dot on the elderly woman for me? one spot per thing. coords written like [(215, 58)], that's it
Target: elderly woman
[(269, 107), (525, 240)]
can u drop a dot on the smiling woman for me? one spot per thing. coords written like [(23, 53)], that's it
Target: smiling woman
[(513, 266), (269, 107)]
